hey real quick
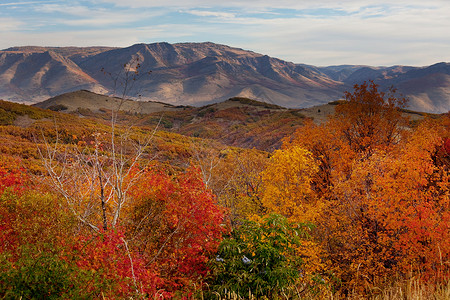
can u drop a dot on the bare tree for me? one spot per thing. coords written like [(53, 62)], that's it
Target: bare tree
[(96, 175), (207, 159)]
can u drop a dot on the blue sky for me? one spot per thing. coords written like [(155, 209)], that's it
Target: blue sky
[(319, 32)]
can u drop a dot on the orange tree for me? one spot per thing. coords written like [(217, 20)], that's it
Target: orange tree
[(354, 153), (369, 119), (411, 201)]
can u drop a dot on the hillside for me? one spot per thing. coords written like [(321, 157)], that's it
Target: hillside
[(23, 128), (99, 209), (86, 100), (204, 73), (238, 121)]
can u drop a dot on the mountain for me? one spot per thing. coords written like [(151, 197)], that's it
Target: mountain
[(427, 88), (196, 74), (203, 73), (34, 76)]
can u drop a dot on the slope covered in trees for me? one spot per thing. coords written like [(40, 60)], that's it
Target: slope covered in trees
[(117, 207)]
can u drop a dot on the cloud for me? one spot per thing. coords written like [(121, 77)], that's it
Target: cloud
[(382, 41), (318, 32), (67, 9), (20, 3), (403, 36), (203, 13), (122, 37), (351, 5), (10, 24), (84, 16)]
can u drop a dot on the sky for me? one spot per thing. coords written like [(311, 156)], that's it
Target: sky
[(316, 32)]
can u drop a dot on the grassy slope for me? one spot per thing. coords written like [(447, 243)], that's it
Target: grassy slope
[(238, 122), (24, 128)]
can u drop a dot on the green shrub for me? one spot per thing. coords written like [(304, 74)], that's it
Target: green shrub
[(259, 258), (41, 274), (248, 101), (6, 117), (58, 107), (167, 123)]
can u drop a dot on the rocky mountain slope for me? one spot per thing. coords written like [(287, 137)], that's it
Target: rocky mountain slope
[(202, 73), (428, 88)]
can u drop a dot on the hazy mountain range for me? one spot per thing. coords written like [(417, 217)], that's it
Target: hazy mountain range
[(202, 73)]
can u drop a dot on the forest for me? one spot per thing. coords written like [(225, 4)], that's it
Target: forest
[(355, 207)]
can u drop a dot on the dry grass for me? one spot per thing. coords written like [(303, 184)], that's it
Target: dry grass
[(411, 289), (415, 290)]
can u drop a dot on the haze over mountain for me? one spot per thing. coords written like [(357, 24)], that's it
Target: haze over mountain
[(202, 73)]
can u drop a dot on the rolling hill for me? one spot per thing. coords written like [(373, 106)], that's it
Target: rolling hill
[(86, 100), (238, 121)]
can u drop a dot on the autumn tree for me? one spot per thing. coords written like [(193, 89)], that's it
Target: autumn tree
[(343, 155), (369, 118), (176, 224), (95, 172), (411, 200), (45, 254), (287, 184)]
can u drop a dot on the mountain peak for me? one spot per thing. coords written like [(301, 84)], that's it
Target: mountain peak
[(203, 73)]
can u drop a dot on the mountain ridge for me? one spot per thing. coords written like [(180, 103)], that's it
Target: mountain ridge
[(202, 73)]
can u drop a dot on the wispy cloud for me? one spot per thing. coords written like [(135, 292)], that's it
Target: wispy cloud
[(76, 10), (318, 32), (21, 3), (216, 14), (351, 5), (10, 24)]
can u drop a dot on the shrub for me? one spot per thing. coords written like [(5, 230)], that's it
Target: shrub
[(42, 275), (6, 117), (259, 258), (58, 107)]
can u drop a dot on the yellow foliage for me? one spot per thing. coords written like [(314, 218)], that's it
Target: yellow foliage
[(237, 182), (287, 182)]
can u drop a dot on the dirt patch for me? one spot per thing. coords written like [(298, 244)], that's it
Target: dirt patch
[(23, 121), (319, 113)]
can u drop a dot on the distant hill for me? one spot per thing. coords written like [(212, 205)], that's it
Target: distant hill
[(238, 121), (83, 99), (203, 73)]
